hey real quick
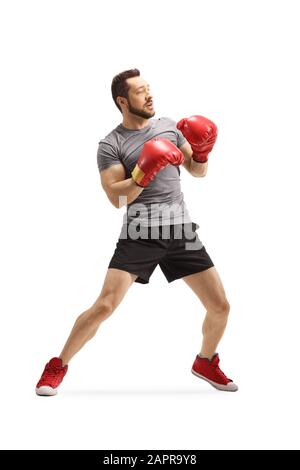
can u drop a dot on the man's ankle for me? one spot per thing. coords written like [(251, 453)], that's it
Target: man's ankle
[(206, 356)]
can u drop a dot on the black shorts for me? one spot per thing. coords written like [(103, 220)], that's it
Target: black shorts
[(176, 248)]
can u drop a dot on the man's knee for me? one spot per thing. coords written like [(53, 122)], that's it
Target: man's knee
[(102, 309), (221, 307)]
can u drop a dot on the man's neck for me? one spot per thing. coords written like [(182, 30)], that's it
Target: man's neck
[(135, 124)]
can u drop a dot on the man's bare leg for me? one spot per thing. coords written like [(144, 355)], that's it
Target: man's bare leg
[(208, 287), (115, 286)]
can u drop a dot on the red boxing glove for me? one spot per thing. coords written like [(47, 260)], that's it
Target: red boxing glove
[(156, 154), (201, 133)]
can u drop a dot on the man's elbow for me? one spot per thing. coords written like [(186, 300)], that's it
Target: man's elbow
[(115, 204), (114, 201)]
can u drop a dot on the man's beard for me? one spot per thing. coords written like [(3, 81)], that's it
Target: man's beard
[(143, 113)]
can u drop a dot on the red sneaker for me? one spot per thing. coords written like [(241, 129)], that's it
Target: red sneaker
[(210, 371), (51, 377)]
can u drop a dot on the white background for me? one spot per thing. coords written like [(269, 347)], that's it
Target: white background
[(131, 387)]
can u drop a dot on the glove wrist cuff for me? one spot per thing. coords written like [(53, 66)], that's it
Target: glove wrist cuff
[(138, 176), (200, 158)]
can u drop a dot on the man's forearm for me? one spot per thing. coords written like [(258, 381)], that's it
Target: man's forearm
[(124, 192), (197, 168)]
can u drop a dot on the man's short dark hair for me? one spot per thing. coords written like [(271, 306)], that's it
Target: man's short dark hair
[(119, 86)]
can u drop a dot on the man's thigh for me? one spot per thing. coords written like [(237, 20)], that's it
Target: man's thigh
[(208, 287), (115, 286)]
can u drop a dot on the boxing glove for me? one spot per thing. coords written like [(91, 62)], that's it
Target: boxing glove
[(201, 133), (156, 154)]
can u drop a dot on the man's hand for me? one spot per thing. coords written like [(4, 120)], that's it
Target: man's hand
[(201, 133), (156, 154)]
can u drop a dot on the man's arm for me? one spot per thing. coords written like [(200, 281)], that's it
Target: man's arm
[(114, 184), (194, 168), (155, 155)]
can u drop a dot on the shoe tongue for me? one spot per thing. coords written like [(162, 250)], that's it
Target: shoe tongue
[(55, 362)]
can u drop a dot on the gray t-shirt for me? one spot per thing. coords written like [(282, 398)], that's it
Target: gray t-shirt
[(161, 202)]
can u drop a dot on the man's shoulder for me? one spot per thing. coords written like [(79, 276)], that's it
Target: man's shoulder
[(111, 138), (166, 123), (167, 120)]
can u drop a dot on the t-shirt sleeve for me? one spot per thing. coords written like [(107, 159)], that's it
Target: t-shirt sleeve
[(107, 155), (180, 137)]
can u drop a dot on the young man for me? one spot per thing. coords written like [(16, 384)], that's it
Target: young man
[(139, 167)]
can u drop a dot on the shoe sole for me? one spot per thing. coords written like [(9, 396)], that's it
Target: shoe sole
[(224, 388), (45, 391)]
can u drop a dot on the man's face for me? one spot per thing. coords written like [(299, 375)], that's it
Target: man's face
[(140, 101)]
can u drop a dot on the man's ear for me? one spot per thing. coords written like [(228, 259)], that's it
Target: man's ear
[(121, 100)]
